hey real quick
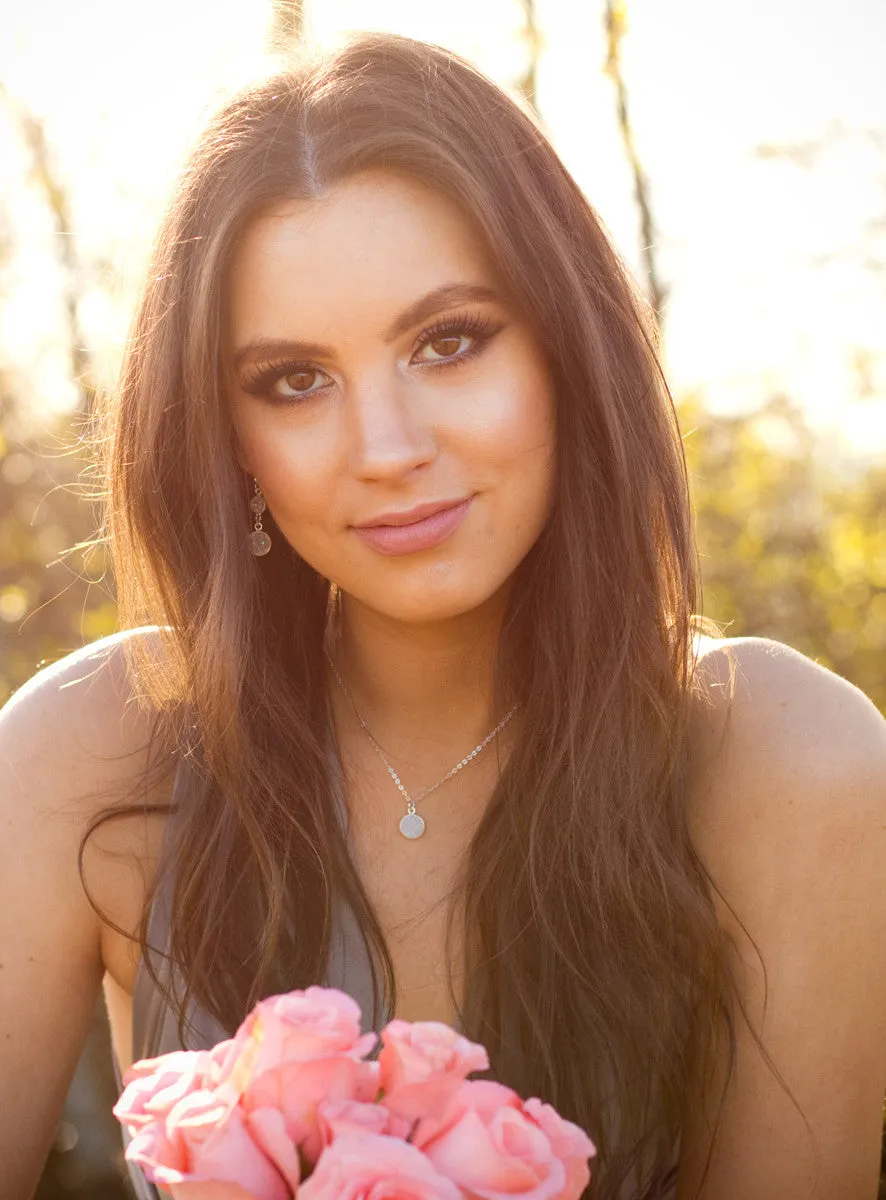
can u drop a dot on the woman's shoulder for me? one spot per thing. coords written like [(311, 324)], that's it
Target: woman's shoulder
[(78, 740), (80, 723), (786, 805), (787, 765), (74, 741), (760, 703), (96, 665)]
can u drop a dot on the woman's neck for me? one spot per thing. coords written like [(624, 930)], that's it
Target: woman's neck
[(412, 680)]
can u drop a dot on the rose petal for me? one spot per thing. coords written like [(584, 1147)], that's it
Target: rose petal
[(155, 1085), (497, 1156), (302, 1025), (297, 1089), (204, 1139), (190, 1190), (569, 1142), (268, 1129), (375, 1167)]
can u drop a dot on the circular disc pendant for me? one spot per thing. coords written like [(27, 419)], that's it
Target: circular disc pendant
[(259, 542), (412, 826)]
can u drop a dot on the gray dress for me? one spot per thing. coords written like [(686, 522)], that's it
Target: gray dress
[(155, 1027), (154, 1023)]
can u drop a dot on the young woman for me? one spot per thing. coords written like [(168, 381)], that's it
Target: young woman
[(412, 697)]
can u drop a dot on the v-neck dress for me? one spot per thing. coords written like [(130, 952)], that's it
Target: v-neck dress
[(154, 1022)]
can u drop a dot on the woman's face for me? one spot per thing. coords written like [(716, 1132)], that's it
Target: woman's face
[(395, 410)]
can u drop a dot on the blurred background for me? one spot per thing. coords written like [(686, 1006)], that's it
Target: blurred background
[(737, 156)]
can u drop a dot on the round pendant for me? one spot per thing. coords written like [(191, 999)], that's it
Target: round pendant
[(412, 826), (259, 542)]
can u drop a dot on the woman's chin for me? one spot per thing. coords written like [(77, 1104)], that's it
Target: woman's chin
[(434, 600)]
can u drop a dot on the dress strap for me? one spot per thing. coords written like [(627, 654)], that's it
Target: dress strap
[(154, 1025)]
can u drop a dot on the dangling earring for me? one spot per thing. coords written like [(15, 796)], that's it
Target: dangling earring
[(259, 541)]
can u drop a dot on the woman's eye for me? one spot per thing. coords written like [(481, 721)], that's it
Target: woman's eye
[(447, 346), (455, 341), (293, 381), (300, 382)]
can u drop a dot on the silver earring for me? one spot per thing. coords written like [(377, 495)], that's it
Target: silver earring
[(259, 541)]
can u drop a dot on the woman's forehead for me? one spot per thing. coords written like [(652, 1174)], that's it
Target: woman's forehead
[(368, 247)]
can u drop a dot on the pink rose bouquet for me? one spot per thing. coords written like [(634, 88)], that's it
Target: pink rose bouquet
[(291, 1107)]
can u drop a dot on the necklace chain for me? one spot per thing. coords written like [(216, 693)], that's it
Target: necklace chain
[(412, 825)]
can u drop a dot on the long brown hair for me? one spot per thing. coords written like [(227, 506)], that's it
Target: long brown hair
[(594, 956)]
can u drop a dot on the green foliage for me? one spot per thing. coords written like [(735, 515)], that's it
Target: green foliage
[(790, 547), (53, 596)]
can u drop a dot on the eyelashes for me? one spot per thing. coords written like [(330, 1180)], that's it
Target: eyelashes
[(263, 380), (480, 328)]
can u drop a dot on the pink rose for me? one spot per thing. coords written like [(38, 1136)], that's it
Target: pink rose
[(297, 1090), (422, 1066), (267, 1127), (155, 1085), (209, 1191), (569, 1142), (298, 1027), (336, 1119), (204, 1139), (493, 1148), (293, 1053), (364, 1166), (484, 1096)]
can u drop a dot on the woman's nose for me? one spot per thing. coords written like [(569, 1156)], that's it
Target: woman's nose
[(388, 434)]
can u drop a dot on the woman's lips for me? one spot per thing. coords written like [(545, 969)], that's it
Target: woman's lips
[(423, 534)]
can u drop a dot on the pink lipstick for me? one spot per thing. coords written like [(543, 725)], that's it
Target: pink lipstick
[(421, 528)]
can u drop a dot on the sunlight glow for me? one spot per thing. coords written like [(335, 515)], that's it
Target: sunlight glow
[(771, 264)]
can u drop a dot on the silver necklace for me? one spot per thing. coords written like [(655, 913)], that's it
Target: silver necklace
[(412, 825)]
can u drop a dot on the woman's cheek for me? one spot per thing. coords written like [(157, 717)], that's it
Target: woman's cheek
[(297, 475), (517, 430), (518, 408)]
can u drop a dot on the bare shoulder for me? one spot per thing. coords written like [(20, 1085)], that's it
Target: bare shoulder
[(77, 740), (787, 810), (84, 706), (787, 771), (770, 723), (74, 741)]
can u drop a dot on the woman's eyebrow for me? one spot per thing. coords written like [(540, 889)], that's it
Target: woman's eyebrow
[(445, 296)]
